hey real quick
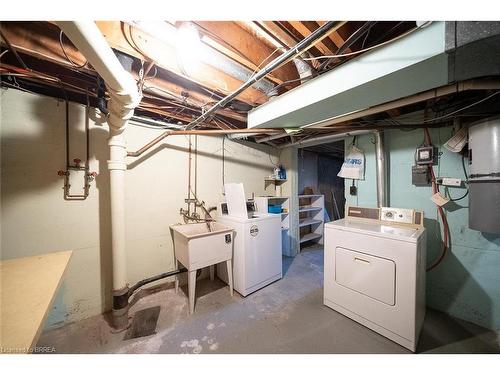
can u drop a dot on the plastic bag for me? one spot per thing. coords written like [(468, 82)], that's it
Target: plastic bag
[(354, 165)]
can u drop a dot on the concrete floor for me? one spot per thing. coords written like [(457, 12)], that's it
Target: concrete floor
[(285, 317)]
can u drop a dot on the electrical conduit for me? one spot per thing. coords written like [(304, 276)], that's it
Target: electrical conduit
[(124, 98), (381, 169)]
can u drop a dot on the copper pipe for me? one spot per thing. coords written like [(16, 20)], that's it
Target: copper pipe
[(199, 132)]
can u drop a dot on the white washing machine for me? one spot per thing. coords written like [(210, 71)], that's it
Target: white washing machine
[(375, 270), (257, 258)]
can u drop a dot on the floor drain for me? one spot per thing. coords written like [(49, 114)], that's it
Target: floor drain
[(143, 323)]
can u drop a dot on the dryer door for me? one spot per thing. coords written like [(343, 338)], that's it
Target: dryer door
[(370, 275)]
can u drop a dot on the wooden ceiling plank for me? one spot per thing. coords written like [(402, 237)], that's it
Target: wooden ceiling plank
[(305, 31), (157, 85), (335, 37), (33, 38), (34, 42), (252, 51), (314, 50), (275, 31), (135, 42), (327, 42)]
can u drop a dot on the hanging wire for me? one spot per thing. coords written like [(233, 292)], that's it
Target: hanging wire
[(466, 181), (66, 55), (368, 48), (223, 161)]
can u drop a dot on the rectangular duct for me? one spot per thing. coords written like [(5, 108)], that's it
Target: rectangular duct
[(431, 57)]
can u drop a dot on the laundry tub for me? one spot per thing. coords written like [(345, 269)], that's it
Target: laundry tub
[(202, 245)]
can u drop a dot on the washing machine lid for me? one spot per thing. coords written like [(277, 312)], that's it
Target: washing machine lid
[(401, 233)]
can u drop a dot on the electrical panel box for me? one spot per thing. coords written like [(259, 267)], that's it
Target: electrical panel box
[(425, 155), (420, 175)]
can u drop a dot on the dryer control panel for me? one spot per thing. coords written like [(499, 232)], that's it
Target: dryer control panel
[(397, 215), (387, 215)]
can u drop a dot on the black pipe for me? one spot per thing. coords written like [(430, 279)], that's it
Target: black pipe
[(154, 278), (101, 99)]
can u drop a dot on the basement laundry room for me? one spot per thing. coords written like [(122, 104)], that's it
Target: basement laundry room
[(244, 186)]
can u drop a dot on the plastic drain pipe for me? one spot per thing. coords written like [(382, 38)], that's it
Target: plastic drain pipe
[(124, 98)]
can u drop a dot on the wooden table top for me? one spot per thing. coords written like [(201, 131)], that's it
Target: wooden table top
[(27, 290)]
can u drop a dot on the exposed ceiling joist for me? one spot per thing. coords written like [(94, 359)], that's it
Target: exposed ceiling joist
[(130, 40), (297, 36), (250, 51), (335, 37), (326, 46), (277, 33), (191, 97), (46, 47)]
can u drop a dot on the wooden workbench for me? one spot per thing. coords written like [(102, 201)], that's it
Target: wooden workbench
[(27, 289)]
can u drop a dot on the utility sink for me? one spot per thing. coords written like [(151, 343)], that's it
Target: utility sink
[(197, 247), (202, 245)]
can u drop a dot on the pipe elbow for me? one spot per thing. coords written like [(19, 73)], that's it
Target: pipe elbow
[(122, 104)]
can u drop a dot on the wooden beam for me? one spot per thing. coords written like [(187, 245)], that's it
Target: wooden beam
[(137, 43), (305, 29), (335, 37), (228, 37), (41, 39), (280, 35), (29, 38), (158, 86), (288, 28), (327, 42), (274, 30)]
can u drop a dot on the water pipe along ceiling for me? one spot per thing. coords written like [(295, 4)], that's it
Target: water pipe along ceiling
[(184, 68)]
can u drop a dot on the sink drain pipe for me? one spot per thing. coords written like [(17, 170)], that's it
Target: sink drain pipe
[(151, 279), (124, 98)]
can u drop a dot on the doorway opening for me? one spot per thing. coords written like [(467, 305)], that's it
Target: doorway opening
[(321, 191)]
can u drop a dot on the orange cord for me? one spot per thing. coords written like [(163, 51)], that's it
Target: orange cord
[(435, 189)]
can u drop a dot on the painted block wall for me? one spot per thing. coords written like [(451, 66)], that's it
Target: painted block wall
[(467, 283), (35, 219)]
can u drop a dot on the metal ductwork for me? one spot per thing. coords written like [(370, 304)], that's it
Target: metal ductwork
[(325, 139), (428, 58), (484, 175)]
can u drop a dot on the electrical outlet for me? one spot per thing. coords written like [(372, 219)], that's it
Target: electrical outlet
[(353, 190), (449, 181), (397, 215)]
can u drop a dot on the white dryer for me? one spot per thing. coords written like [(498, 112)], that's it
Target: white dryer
[(375, 270)]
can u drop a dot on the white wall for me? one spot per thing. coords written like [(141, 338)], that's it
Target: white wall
[(35, 219)]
